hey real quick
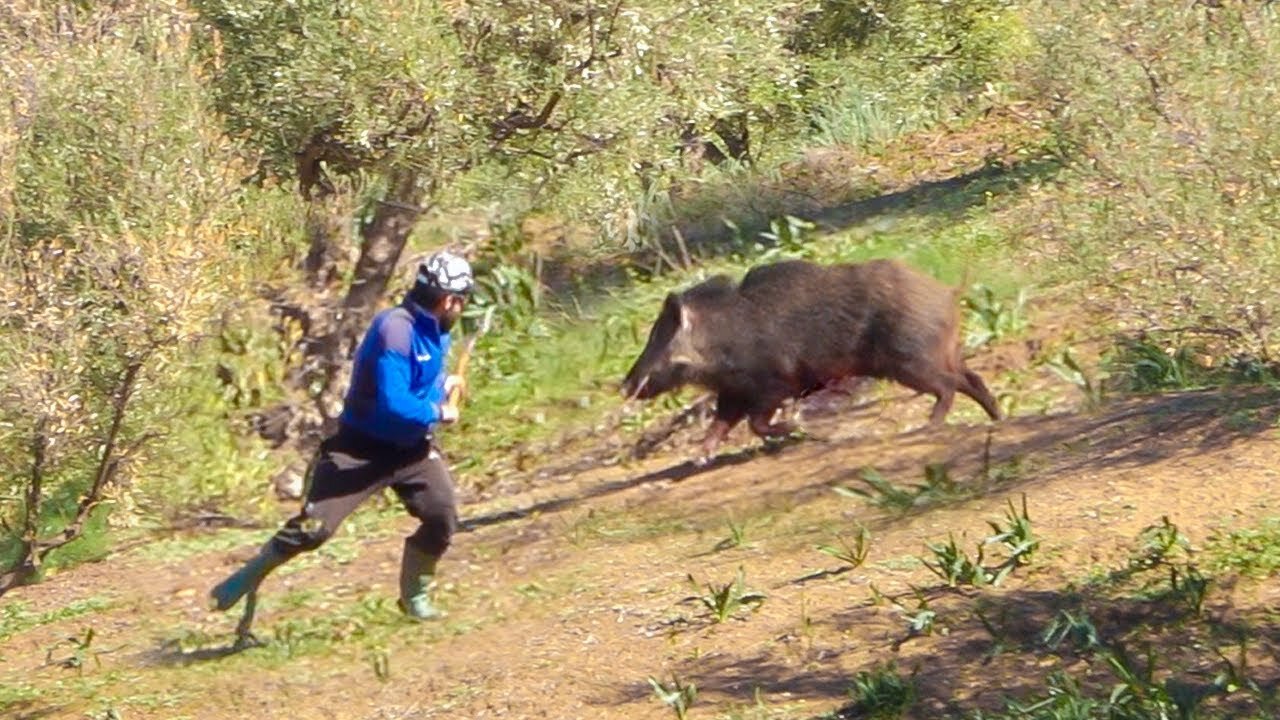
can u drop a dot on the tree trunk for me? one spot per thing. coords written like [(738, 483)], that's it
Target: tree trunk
[(733, 130), (326, 231), (382, 241)]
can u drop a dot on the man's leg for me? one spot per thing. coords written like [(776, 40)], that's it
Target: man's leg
[(340, 480), (426, 489)]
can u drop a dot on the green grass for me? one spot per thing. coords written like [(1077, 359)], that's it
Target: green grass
[(14, 696), (938, 488), (883, 693), (1251, 551), (343, 630), (17, 617), (172, 549)]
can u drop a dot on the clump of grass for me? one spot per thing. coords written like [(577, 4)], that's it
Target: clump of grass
[(882, 693), (74, 651), (737, 535), (1162, 547), (938, 486), (1149, 364), (677, 695), (1067, 366), (1188, 586), (954, 565), (990, 318), (879, 491), (1076, 627), (920, 619), (1018, 538), (380, 661), (723, 601), (852, 553)]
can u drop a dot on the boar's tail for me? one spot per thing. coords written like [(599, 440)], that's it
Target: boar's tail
[(972, 385)]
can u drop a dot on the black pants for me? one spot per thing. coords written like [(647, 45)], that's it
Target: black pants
[(350, 467)]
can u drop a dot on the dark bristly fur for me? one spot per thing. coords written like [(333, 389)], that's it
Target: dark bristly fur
[(793, 327)]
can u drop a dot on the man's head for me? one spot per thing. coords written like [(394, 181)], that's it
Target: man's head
[(442, 286)]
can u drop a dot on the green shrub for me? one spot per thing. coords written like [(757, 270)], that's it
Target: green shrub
[(119, 253), (1167, 113)]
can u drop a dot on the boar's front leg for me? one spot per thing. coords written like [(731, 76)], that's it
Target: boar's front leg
[(729, 412)]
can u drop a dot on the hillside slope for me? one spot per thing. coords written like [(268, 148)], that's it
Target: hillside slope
[(566, 598)]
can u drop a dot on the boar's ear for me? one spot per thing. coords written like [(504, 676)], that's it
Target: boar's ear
[(683, 346), (675, 307), (687, 316)]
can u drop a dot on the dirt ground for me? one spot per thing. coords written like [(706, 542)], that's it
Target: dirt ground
[(566, 595)]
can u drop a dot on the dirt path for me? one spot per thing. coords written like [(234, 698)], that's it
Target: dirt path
[(565, 609)]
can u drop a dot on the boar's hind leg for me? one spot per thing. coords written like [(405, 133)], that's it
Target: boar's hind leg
[(972, 385), (942, 406), (762, 425), (934, 382)]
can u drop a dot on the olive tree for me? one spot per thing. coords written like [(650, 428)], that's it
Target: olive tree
[(115, 256), (1167, 112), (581, 105)]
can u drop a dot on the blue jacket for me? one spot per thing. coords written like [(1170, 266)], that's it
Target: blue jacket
[(397, 381)]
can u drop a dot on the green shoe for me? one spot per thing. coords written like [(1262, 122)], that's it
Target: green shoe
[(417, 570), (246, 579)]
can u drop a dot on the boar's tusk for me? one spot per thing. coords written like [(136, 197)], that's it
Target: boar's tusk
[(639, 387)]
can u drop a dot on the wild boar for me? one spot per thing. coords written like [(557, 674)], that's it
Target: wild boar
[(793, 327)]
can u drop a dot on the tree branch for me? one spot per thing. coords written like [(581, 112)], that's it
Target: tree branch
[(109, 463), (28, 561)]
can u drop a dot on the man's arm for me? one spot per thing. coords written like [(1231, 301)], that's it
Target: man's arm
[(394, 371)]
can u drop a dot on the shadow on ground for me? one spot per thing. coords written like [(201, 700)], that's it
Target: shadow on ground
[(32, 710), (946, 197), (675, 473), (1130, 433), (1012, 651), (1132, 625), (171, 655), (1017, 453)]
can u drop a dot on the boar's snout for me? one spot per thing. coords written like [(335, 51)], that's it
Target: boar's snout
[(636, 386), (660, 377)]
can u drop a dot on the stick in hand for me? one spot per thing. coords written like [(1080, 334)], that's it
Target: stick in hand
[(464, 360)]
